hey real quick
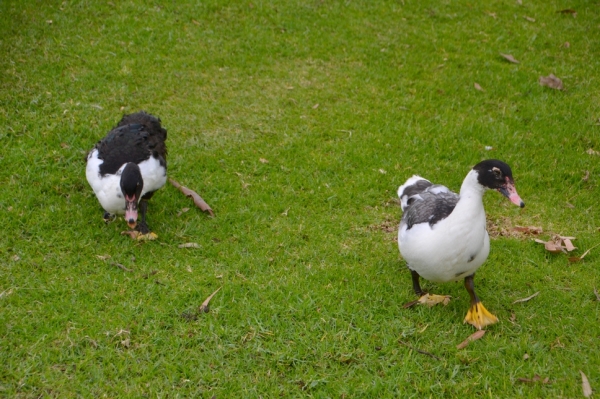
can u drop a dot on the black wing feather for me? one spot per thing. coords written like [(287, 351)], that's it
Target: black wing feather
[(137, 137), (430, 209)]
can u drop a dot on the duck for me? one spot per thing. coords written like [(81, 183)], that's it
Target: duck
[(127, 167), (442, 235)]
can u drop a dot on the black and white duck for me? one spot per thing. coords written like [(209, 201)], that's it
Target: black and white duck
[(443, 236), (126, 168)]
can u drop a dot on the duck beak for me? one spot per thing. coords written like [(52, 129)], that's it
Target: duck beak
[(131, 211), (510, 192)]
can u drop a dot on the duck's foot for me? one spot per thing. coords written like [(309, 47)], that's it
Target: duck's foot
[(432, 299), (107, 217), (136, 235), (479, 317)]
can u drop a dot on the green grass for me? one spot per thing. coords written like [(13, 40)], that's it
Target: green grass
[(313, 285)]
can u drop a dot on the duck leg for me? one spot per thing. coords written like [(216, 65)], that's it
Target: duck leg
[(425, 298), (107, 217), (142, 227), (477, 315)]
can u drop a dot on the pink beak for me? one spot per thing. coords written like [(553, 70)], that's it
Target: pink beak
[(510, 192), (131, 211)]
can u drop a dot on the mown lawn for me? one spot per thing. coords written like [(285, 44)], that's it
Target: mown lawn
[(296, 121)]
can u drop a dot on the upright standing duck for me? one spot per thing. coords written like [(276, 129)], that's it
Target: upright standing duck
[(443, 235), (126, 168)]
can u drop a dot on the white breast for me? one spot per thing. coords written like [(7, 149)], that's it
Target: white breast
[(453, 249), (108, 188)]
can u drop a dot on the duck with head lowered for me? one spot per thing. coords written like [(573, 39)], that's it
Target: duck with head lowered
[(126, 168), (443, 236)]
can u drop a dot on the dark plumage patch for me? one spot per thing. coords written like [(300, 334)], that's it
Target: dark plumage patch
[(137, 137), (431, 209), (416, 188)]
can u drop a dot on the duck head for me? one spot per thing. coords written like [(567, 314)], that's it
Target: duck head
[(131, 187), (496, 175)]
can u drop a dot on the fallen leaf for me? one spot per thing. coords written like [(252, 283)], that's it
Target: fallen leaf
[(16, 258), (64, 145), (552, 82), (527, 299), (592, 152), (597, 295), (195, 22), (525, 356), (491, 14), (567, 45), (512, 318), (509, 58), (126, 342), (488, 148), (528, 229), (586, 176), (569, 205), (477, 86), (585, 385), (120, 266), (382, 171), (578, 258), (315, 106), (204, 307), (473, 337), (198, 201), (551, 246), (431, 300), (103, 257), (262, 160), (568, 244), (529, 18), (189, 245), (568, 11), (535, 378)]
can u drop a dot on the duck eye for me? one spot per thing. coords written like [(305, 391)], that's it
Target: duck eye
[(497, 172)]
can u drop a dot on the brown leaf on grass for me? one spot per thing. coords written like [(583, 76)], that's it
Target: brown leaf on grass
[(597, 295), (103, 257), (534, 230), (567, 45), (536, 378), (568, 11), (262, 160), (552, 82), (585, 385), (126, 342), (568, 244), (509, 58), (198, 201), (578, 258), (432, 300), (592, 152), (189, 245), (120, 266), (529, 18), (527, 299), (477, 86), (204, 308), (473, 337), (551, 246), (586, 176)]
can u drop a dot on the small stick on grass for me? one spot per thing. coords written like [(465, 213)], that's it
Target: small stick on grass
[(204, 307), (120, 266), (419, 350)]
